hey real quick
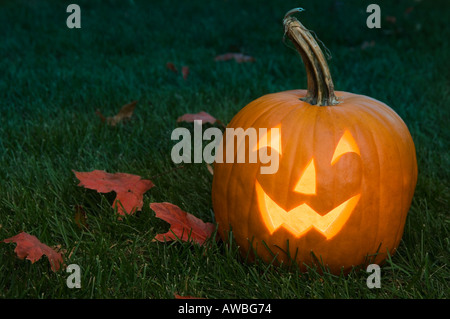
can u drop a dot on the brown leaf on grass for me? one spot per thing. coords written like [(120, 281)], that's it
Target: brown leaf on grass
[(125, 113), (203, 116), (80, 217), (30, 247), (185, 71), (238, 57), (130, 188), (183, 226), (170, 66)]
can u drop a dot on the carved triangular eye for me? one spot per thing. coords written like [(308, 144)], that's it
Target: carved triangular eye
[(307, 183), (346, 144)]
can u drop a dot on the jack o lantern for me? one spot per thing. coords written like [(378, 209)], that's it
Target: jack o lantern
[(346, 176)]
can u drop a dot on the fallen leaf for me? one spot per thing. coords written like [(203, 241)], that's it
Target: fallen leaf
[(130, 188), (203, 116), (185, 71), (30, 247), (80, 217), (238, 57), (125, 113), (183, 226), (170, 66)]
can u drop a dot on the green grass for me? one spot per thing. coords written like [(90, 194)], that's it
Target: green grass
[(52, 79)]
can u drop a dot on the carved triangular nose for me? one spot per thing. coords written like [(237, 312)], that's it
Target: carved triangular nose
[(307, 182)]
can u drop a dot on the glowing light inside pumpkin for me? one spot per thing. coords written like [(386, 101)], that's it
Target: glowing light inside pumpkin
[(346, 144), (303, 218), (307, 183)]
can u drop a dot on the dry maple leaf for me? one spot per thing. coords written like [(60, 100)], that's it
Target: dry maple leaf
[(183, 226), (125, 113), (238, 57), (130, 188), (30, 247), (203, 116)]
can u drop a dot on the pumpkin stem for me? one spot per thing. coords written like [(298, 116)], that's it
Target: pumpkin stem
[(320, 84)]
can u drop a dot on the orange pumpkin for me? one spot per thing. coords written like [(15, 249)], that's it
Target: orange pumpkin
[(345, 181)]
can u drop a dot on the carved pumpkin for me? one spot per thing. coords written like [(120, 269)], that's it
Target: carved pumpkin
[(345, 181)]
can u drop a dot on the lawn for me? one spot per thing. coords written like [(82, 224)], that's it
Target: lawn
[(53, 79)]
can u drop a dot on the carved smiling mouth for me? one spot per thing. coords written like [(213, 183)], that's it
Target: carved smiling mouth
[(303, 218)]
